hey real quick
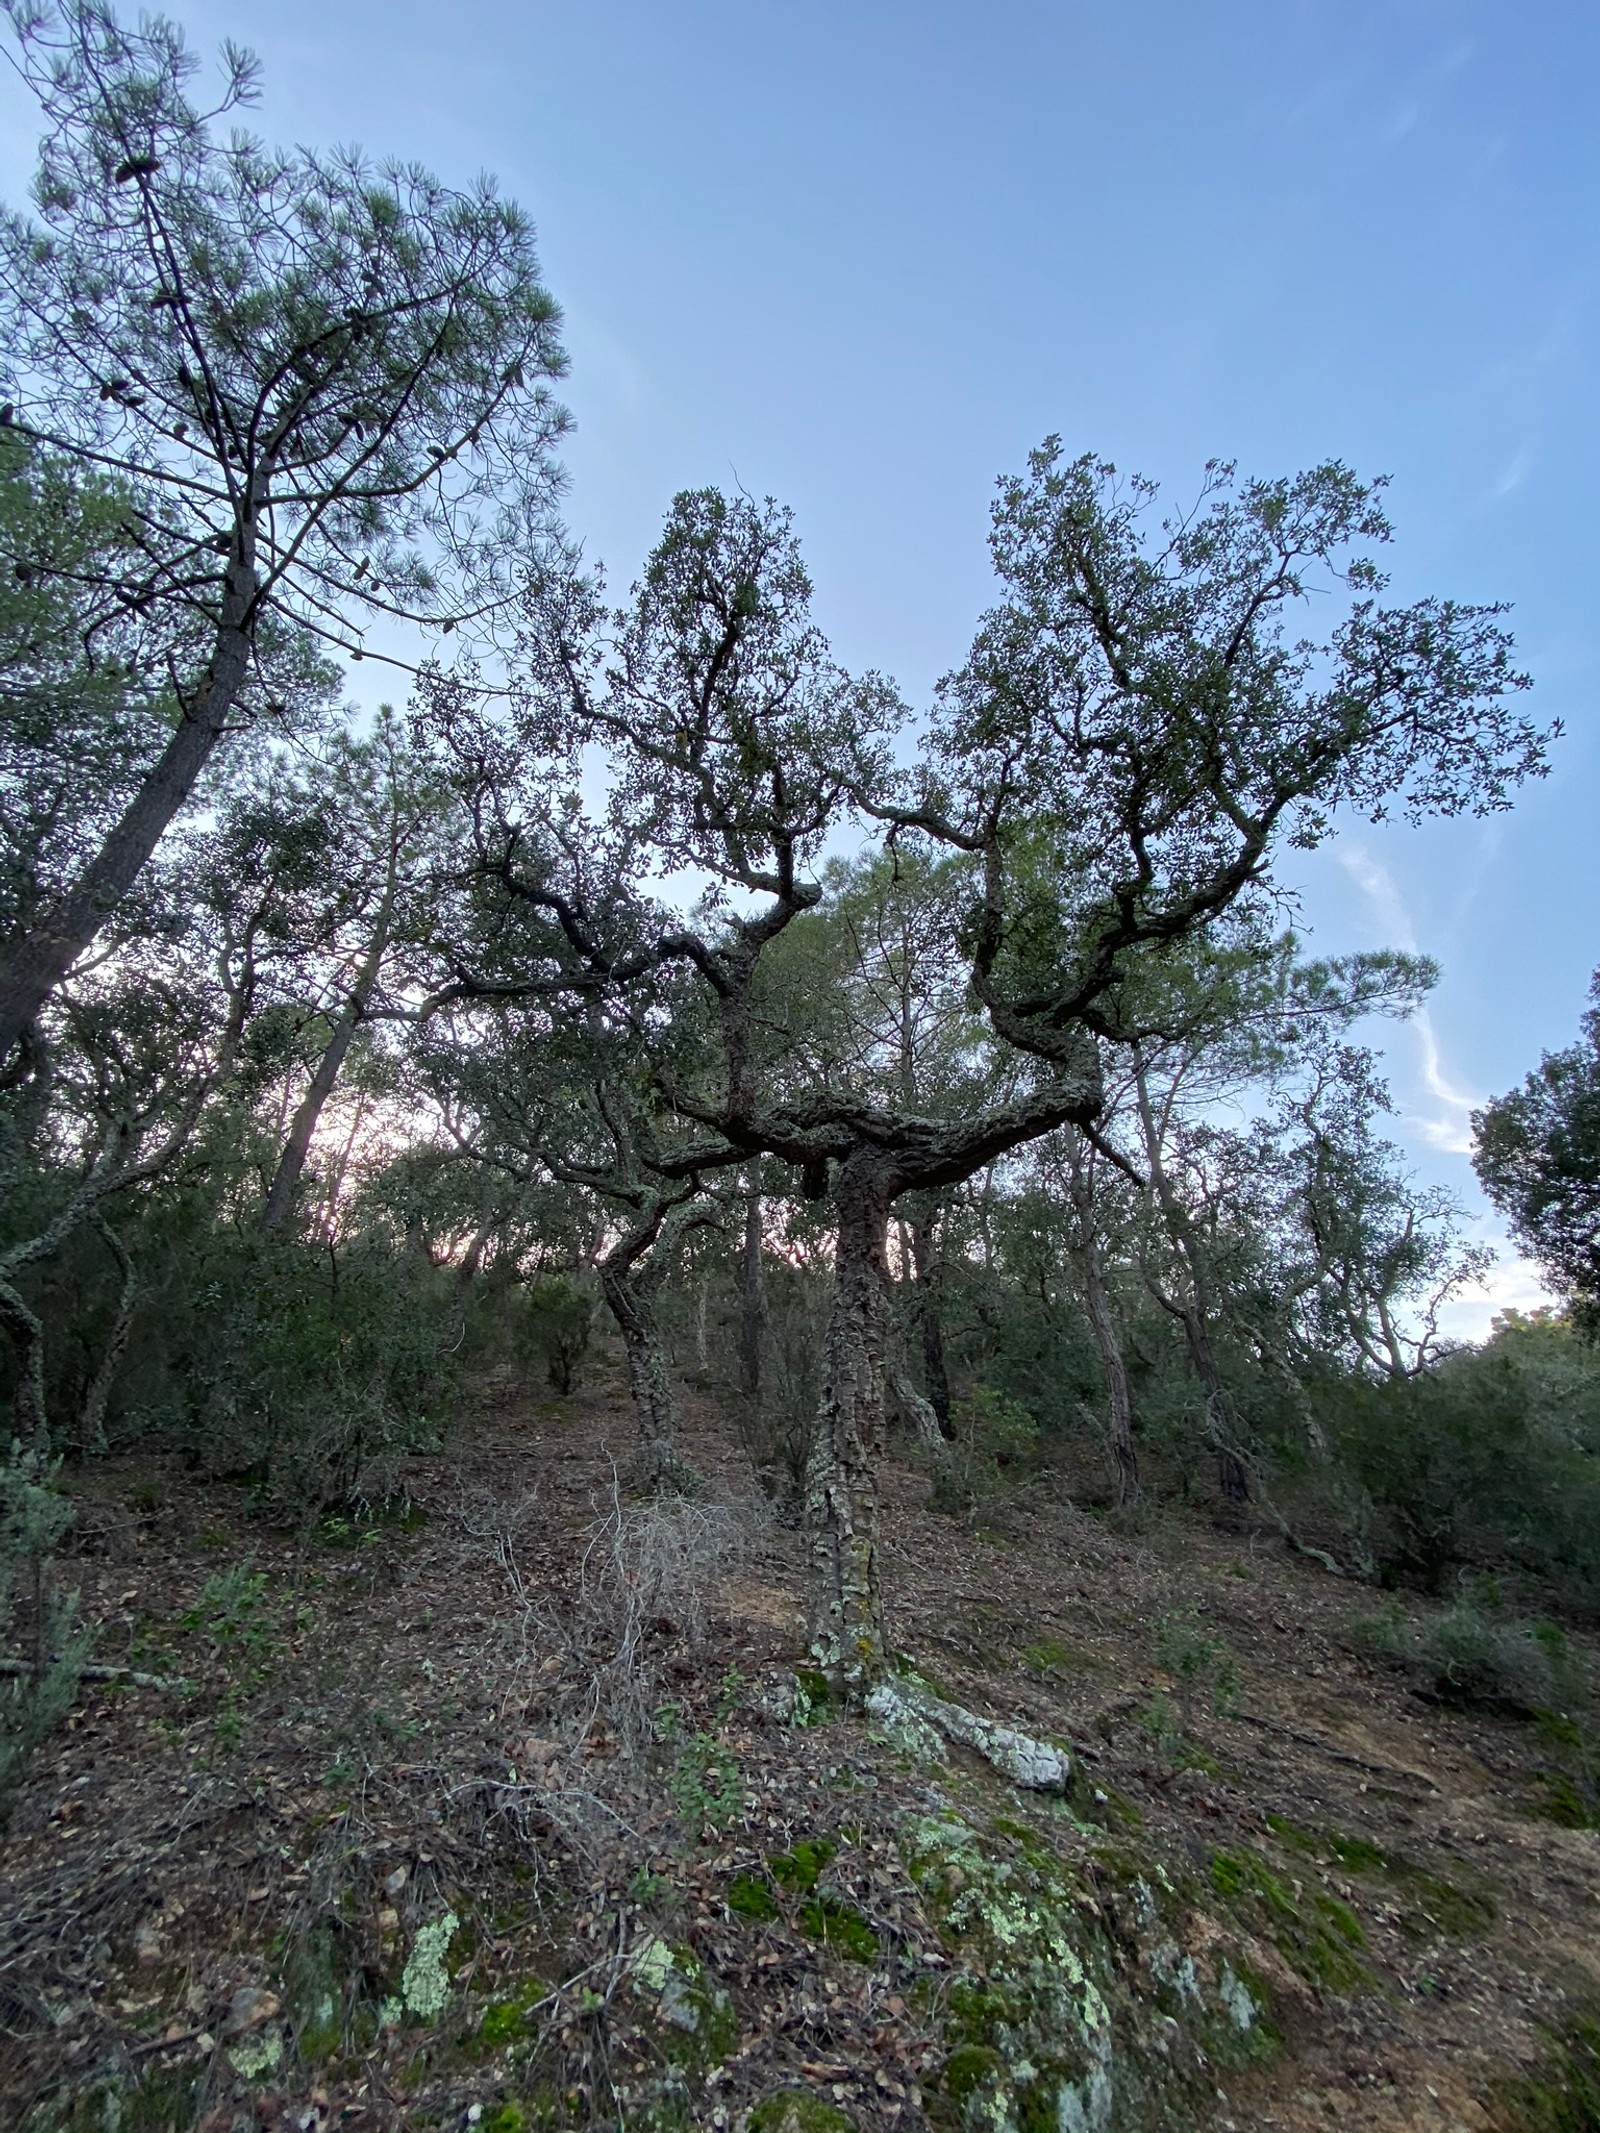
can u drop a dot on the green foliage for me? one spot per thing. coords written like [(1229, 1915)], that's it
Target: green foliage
[(552, 1324), (33, 1517), (78, 722), (704, 1780), (1538, 1159), (233, 1609), (1494, 1454), (996, 1438), (1198, 1663), (1471, 1653)]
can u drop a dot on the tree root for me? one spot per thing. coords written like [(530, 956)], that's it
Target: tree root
[(915, 1719), (24, 1668)]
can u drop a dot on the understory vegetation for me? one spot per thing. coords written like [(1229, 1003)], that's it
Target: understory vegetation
[(613, 1249)]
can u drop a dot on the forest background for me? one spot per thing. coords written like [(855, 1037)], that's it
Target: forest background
[(864, 260), (451, 943)]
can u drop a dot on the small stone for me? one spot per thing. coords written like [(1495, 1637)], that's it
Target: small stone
[(250, 2006), (396, 1881)]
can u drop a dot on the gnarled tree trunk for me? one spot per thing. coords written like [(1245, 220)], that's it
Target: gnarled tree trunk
[(841, 1493), (27, 1337), (629, 1295), (97, 1395)]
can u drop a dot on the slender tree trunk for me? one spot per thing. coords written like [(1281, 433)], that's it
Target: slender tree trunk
[(27, 1337), (1233, 1476), (340, 1169), (1102, 1322), (935, 1371), (34, 963), (466, 1274), (660, 1464), (752, 1307), (97, 1396), (841, 1495), (297, 1147), (1114, 1369)]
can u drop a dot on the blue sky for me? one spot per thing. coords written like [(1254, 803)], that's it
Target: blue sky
[(863, 255)]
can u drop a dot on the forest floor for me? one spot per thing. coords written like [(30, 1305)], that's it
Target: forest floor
[(370, 1859)]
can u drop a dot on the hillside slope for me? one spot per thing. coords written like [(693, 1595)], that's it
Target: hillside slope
[(504, 1813)]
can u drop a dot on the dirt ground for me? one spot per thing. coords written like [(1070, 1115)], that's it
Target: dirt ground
[(353, 1735)]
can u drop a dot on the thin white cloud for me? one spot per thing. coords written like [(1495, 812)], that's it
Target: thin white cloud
[(1377, 884), (1449, 1127), (1515, 474), (1403, 119)]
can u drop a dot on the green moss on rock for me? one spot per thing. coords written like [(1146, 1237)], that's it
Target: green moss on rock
[(1081, 1995), (698, 2027)]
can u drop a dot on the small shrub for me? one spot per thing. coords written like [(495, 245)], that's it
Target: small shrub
[(1198, 1663), (996, 1438), (1469, 1655), (553, 1325), (33, 1518)]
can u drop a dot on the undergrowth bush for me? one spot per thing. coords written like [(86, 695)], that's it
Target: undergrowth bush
[(1491, 1458), (989, 1460), (552, 1321), (35, 1615)]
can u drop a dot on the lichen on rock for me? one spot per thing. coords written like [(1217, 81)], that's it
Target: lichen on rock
[(1085, 1992), (698, 2023)]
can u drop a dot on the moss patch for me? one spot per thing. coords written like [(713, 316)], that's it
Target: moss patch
[(837, 1925), (798, 1870), (794, 2111), (1317, 1933), (1563, 2096), (505, 2021), (1432, 1904), (750, 1897)]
